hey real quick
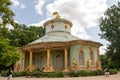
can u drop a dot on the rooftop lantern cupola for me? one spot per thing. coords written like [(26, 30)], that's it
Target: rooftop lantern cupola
[(57, 24)]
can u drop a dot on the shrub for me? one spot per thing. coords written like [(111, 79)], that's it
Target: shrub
[(29, 74), (76, 74), (59, 74), (37, 73), (37, 69), (71, 73), (50, 74), (100, 72), (95, 73), (44, 74), (92, 73), (113, 71), (83, 73), (16, 74), (23, 73), (4, 73)]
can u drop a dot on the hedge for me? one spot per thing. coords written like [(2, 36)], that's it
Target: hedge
[(38, 73)]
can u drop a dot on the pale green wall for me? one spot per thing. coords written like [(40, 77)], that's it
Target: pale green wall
[(86, 54), (74, 53), (95, 55), (58, 26)]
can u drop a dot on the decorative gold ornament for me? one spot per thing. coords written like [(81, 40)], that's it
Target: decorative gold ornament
[(74, 64), (89, 63), (16, 67), (98, 64), (80, 48), (65, 25), (91, 49), (57, 15), (52, 25)]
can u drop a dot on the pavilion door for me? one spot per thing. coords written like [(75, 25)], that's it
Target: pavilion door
[(59, 62), (42, 61)]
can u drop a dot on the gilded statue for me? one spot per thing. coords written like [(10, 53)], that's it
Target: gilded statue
[(98, 64), (74, 63), (57, 15), (52, 68), (16, 66), (89, 63), (33, 67)]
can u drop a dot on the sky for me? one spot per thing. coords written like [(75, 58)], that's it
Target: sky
[(84, 14)]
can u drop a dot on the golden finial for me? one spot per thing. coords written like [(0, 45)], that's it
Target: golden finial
[(57, 15)]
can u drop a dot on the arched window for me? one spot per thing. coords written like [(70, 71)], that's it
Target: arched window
[(52, 25), (81, 58), (41, 61)]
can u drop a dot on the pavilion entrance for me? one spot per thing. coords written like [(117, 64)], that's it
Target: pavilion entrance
[(58, 59)]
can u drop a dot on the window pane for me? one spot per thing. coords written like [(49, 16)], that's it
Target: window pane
[(81, 58), (92, 57)]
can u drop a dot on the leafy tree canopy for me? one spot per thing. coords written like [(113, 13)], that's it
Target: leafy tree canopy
[(17, 37), (6, 15), (110, 27), (23, 34), (8, 54)]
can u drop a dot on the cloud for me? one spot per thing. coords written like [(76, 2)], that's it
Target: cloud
[(39, 23), (39, 6), (22, 6), (103, 49), (84, 14), (16, 3)]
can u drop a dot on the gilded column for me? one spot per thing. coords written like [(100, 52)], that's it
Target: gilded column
[(48, 60), (23, 61), (30, 61), (66, 60)]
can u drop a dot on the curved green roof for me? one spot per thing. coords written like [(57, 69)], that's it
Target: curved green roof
[(58, 36)]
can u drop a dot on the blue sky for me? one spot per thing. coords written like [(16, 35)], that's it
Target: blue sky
[(84, 15)]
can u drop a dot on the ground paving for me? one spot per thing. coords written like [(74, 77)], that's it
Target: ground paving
[(111, 77)]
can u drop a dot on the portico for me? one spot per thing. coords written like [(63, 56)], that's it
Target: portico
[(50, 58)]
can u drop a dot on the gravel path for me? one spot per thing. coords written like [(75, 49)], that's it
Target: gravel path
[(111, 77)]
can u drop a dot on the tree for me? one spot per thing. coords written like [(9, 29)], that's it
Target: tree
[(104, 61), (23, 34), (8, 54), (110, 27), (6, 15)]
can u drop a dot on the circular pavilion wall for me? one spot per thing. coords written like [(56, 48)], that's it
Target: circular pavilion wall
[(77, 49)]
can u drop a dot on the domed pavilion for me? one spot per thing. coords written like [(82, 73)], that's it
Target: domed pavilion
[(58, 50)]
